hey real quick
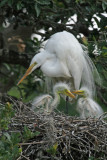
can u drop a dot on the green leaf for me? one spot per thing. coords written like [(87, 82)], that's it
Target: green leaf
[(55, 146), (19, 5), (104, 5), (36, 133), (104, 51), (27, 134), (15, 138), (37, 9), (7, 136), (52, 150), (20, 150)]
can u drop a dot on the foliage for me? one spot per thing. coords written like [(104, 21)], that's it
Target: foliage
[(53, 150), (9, 149), (5, 115), (27, 134), (9, 141)]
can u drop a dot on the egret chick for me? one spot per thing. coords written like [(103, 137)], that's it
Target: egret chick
[(87, 107), (49, 102)]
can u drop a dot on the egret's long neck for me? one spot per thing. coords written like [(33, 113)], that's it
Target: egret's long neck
[(55, 101)]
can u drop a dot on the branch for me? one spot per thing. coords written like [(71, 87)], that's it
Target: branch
[(12, 57)]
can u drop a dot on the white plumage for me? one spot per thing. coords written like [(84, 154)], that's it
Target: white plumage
[(49, 103), (87, 107), (42, 103), (64, 59)]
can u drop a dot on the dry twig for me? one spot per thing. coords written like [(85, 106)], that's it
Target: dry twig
[(74, 138)]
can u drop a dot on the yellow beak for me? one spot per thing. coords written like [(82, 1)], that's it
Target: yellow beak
[(27, 72), (68, 93), (79, 92)]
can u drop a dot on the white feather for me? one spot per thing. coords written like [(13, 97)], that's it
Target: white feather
[(87, 107), (48, 102)]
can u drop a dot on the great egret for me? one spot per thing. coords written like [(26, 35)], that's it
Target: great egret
[(48, 101), (63, 59), (87, 107)]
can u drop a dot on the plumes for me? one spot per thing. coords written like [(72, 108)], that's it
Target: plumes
[(90, 74)]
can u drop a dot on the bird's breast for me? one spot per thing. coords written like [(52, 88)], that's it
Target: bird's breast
[(55, 68)]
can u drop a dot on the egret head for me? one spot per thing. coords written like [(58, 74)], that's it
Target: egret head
[(36, 62), (85, 92), (63, 88), (67, 93)]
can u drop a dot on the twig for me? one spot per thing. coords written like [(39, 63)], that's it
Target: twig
[(23, 157), (41, 142)]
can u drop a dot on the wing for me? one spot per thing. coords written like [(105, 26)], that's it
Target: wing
[(68, 51), (41, 100), (75, 69)]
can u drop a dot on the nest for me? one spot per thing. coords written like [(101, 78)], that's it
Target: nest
[(60, 137)]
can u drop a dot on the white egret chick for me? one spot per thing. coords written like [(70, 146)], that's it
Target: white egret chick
[(87, 107), (49, 102), (63, 59)]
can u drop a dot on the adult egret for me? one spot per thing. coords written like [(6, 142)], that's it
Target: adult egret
[(63, 59), (48, 101), (87, 107)]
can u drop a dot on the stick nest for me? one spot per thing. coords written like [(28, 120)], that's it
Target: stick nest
[(60, 137)]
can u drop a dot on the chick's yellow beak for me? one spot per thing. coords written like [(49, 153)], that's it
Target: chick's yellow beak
[(27, 72), (68, 93), (79, 92)]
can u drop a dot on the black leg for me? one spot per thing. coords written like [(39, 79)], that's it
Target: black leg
[(67, 99)]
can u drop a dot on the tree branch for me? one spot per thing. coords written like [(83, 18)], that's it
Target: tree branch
[(12, 57)]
